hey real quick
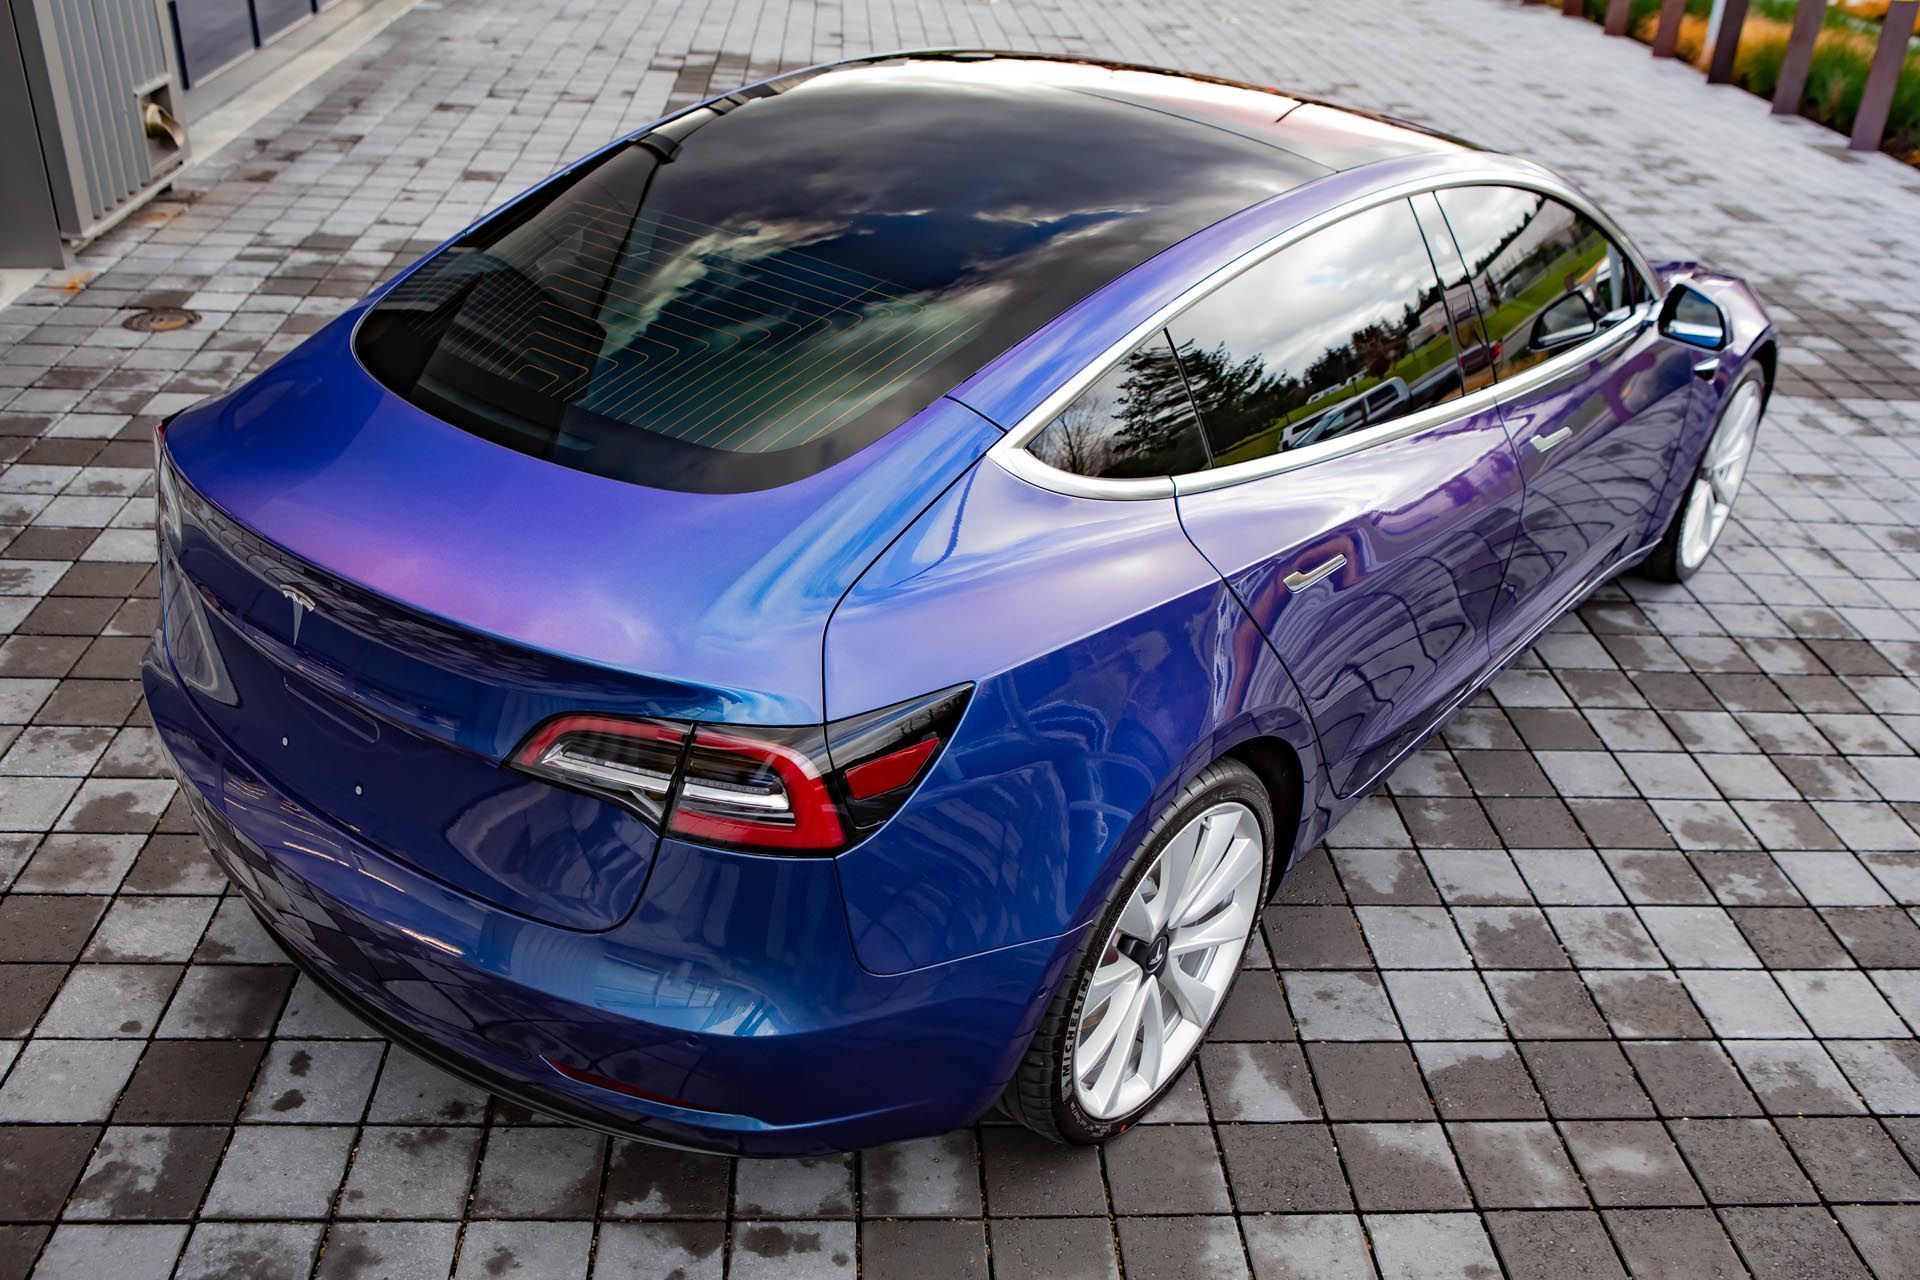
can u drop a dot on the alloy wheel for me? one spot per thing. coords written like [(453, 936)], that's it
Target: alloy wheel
[(1169, 961), (1717, 483)]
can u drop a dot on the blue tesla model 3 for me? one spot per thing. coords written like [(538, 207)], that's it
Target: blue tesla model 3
[(839, 608)]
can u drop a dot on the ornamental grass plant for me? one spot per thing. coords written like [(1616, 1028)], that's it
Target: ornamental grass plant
[(1842, 54)]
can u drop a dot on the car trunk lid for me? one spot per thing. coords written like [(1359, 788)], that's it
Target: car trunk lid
[(375, 608)]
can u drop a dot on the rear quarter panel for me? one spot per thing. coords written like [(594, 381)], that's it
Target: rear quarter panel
[(1110, 663)]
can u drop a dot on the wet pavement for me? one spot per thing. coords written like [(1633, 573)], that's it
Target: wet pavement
[(1622, 976)]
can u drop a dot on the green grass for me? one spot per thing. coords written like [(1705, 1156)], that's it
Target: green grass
[(1530, 301), (1505, 320)]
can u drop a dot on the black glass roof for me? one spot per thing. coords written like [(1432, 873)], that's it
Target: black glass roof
[(756, 290)]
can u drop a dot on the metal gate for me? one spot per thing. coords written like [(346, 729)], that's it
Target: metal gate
[(212, 35), (104, 96)]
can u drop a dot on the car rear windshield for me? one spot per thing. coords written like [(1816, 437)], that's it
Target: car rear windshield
[(752, 293)]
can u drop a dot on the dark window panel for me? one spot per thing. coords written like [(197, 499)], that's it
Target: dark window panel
[(276, 16), (212, 34), (1345, 330)]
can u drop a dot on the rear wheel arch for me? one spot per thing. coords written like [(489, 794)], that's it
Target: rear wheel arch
[(1274, 761), (1277, 764)]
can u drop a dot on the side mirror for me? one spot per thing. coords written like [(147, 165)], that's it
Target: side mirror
[(1568, 319), (1690, 316)]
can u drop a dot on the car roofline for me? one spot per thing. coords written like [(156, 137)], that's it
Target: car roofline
[(965, 53)]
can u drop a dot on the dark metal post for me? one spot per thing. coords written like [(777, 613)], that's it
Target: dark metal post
[(1727, 42), (1799, 57), (1876, 100), (1668, 32), (29, 225), (1617, 13)]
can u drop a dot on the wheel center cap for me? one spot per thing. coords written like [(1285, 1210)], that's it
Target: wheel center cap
[(1156, 959)]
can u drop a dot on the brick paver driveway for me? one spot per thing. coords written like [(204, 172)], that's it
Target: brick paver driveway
[(1623, 975)]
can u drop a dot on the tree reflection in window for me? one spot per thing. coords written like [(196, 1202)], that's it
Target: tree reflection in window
[(1136, 421)]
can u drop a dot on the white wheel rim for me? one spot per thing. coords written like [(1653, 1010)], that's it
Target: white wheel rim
[(1167, 964), (1717, 483)]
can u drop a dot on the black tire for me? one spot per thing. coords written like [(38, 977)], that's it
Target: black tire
[(1664, 565), (1041, 1095)]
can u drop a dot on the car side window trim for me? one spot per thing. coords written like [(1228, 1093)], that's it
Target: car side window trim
[(1010, 451)]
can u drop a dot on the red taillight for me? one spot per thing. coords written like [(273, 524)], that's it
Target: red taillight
[(754, 793), (632, 760), (814, 789), (881, 756)]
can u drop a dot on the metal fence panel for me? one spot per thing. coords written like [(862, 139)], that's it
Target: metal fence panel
[(111, 52)]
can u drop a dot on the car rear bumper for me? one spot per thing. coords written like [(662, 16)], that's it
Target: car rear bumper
[(728, 1013)]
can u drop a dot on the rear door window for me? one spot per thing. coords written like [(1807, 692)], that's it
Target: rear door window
[(1345, 330)]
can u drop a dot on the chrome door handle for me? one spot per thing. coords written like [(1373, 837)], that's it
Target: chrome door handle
[(1552, 440), (1301, 581)]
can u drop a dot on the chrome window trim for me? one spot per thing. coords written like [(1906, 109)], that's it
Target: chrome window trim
[(1011, 453), (1016, 459)]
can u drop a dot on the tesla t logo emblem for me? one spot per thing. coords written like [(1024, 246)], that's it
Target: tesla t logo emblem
[(302, 606)]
